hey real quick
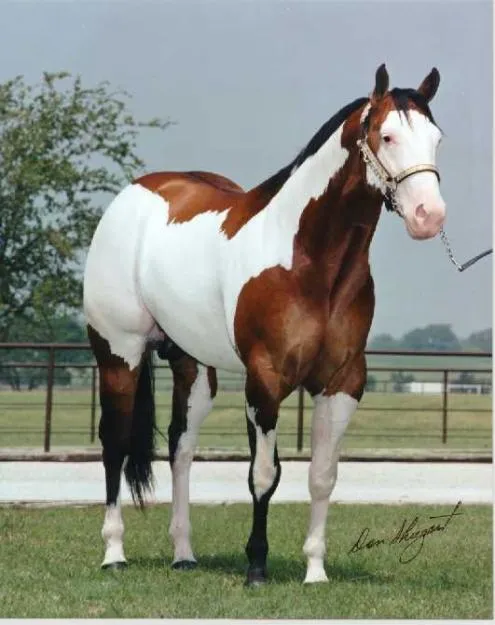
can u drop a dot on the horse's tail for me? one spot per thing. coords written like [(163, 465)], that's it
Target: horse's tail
[(138, 470)]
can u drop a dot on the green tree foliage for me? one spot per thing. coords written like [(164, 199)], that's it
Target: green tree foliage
[(435, 337), (466, 377), (400, 379), (383, 341), (479, 341), (371, 383), (62, 146), (58, 329)]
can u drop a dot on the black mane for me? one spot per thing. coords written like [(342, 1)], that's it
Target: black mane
[(401, 98), (321, 137)]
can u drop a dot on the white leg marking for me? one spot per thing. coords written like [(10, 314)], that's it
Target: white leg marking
[(112, 533), (199, 405), (331, 416), (264, 470)]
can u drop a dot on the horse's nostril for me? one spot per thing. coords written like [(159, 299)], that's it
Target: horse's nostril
[(420, 212)]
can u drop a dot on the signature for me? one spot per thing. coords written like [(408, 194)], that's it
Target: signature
[(410, 535)]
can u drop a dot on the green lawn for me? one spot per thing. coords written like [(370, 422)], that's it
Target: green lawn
[(383, 421), (49, 566)]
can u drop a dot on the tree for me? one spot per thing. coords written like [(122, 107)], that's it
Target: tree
[(63, 147), (371, 383), (400, 380), (435, 337), (383, 341), (466, 377), (61, 329), (479, 341)]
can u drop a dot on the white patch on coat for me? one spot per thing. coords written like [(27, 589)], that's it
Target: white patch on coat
[(199, 405), (264, 469), (113, 533), (112, 301), (188, 276), (331, 416)]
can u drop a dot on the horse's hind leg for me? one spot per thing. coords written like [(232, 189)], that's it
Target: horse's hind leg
[(194, 389), (118, 386)]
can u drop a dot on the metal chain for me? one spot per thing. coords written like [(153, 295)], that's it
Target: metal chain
[(450, 253), (468, 263)]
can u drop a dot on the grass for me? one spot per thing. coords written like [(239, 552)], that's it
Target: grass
[(49, 566), (383, 421)]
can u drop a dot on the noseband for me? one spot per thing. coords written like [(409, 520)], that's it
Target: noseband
[(390, 196), (390, 182)]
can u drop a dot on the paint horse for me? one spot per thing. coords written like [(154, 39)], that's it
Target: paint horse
[(274, 282)]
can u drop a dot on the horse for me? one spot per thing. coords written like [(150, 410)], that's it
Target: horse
[(274, 282)]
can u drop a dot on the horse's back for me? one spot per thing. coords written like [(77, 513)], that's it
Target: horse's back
[(189, 194)]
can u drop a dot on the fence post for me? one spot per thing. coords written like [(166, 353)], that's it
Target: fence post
[(49, 397), (300, 418), (444, 406), (93, 404)]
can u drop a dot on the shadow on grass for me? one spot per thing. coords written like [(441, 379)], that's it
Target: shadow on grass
[(280, 569)]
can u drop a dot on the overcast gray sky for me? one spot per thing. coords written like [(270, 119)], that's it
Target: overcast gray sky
[(250, 82)]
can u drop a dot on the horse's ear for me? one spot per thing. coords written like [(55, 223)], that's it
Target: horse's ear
[(381, 83), (429, 86)]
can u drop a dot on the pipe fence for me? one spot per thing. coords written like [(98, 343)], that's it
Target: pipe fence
[(54, 396)]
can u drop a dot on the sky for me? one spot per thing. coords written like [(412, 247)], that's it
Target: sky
[(248, 83)]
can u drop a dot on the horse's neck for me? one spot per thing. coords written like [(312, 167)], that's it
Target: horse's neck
[(336, 231), (307, 183), (322, 213)]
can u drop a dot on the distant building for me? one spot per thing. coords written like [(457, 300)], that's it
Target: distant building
[(452, 387)]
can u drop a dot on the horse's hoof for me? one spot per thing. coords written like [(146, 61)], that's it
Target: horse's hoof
[(256, 577), (114, 566), (184, 565)]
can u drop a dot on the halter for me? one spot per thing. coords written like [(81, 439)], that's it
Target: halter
[(390, 196), (391, 182)]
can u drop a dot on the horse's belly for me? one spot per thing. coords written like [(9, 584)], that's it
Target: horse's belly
[(180, 283)]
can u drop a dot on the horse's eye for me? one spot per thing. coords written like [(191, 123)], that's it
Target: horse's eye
[(387, 138)]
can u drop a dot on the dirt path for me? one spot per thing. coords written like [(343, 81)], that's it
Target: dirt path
[(214, 482)]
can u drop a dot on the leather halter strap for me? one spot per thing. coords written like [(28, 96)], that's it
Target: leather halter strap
[(391, 182), (416, 169)]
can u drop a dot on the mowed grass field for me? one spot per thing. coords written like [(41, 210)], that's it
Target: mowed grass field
[(49, 565), (383, 421)]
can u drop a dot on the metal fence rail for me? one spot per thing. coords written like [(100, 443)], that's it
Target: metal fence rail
[(230, 387)]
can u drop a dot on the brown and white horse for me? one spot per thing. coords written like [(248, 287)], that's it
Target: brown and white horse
[(274, 282)]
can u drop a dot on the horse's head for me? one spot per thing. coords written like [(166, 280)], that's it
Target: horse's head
[(399, 141)]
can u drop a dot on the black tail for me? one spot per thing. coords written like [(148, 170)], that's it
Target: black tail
[(138, 470)]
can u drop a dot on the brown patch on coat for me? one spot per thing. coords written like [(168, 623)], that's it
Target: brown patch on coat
[(118, 383), (190, 194), (278, 329)]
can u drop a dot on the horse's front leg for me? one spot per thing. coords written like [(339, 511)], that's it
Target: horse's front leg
[(332, 412), (264, 472)]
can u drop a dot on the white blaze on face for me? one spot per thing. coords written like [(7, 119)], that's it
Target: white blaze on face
[(406, 143), (264, 470)]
